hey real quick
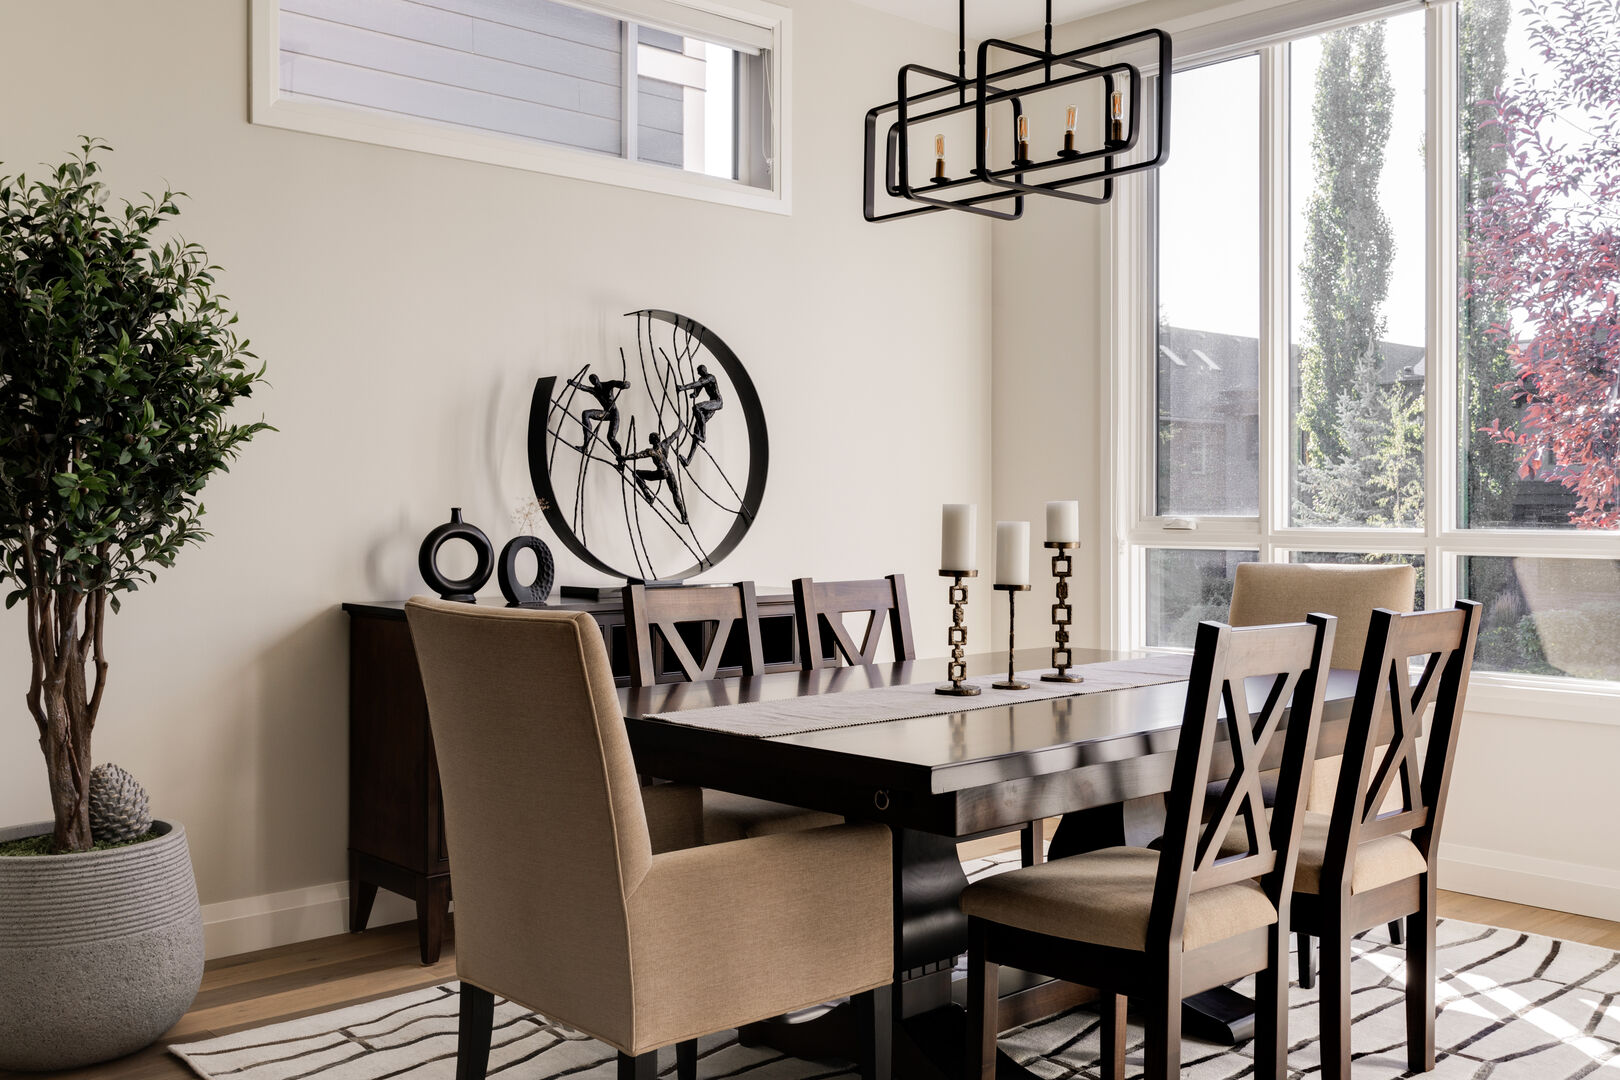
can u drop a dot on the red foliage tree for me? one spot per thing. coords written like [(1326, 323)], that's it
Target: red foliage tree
[(1546, 242)]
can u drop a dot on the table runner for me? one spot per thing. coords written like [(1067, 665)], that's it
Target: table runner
[(822, 712)]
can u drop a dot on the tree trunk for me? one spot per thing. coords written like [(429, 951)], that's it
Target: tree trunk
[(63, 710)]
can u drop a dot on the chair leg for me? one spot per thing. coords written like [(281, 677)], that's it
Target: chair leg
[(1334, 1005), (640, 1067), (874, 1017), (476, 1031), (1271, 1012), (1395, 937), (1307, 965), (686, 1060), (983, 1007), (1163, 1029), (1420, 976), (1113, 1036), (1030, 849)]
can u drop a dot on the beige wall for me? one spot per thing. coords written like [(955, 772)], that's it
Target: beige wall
[(404, 304)]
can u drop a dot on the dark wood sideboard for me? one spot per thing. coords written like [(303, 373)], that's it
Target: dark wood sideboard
[(396, 819)]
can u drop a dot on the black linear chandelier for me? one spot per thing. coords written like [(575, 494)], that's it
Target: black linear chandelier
[(1123, 143)]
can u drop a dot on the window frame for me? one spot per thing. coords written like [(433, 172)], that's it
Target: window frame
[(1129, 334), (267, 106)]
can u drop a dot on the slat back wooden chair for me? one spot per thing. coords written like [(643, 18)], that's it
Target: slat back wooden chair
[(819, 608), (1358, 868), (1158, 926), (712, 613)]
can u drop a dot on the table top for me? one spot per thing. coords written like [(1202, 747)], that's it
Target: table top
[(950, 754)]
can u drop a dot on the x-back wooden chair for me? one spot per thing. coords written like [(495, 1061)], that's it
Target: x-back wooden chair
[(1358, 869), (709, 613), (819, 608), (1157, 926)]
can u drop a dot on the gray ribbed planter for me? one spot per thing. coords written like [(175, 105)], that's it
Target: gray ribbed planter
[(100, 952)]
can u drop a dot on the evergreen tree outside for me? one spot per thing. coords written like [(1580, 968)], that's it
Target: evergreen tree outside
[(1487, 371), (1349, 247)]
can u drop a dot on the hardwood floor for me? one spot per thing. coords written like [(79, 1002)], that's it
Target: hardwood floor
[(295, 980)]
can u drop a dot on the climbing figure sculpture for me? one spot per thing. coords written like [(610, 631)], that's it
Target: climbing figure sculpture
[(607, 394), (660, 454), (702, 411)]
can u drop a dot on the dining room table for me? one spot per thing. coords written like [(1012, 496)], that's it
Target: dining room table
[(1099, 757)]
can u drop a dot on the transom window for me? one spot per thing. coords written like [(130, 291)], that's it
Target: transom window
[(1377, 284), (660, 94)]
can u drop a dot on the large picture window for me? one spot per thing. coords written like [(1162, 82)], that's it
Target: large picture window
[(1379, 282)]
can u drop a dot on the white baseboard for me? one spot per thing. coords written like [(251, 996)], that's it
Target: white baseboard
[(1529, 879), (284, 918)]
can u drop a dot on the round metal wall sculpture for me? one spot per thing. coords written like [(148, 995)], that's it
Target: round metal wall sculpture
[(637, 464)]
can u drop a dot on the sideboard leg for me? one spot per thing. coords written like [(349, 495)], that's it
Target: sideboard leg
[(432, 911), (361, 896)]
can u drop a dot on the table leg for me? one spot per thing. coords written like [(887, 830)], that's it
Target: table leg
[(930, 932)]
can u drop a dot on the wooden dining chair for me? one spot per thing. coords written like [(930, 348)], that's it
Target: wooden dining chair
[(563, 907), (1158, 926), (819, 608), (1373, 858), (693, 623), (1264, 593)]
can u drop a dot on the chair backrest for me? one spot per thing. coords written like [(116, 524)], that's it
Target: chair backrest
[(543, 814), (1288, 664), (819, 608), (691, 620), (1382, 788), (1266, 593)]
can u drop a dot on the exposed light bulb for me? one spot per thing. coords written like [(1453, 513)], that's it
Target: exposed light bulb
[(1023, 137), (1068, 130), (1116, 122), (939, 158)]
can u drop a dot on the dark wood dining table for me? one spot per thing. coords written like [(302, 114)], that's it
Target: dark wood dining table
[(1100, 761)]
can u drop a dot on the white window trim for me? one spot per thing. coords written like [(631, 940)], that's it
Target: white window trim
[(267, 106), (1128, 334)]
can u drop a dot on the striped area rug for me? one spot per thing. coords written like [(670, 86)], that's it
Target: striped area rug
[(1513, 1006)]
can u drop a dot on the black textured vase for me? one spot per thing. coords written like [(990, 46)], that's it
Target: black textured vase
[(427, 559), (517, 594)]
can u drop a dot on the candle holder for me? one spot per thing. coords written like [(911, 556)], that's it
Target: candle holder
[(1062, 613), (1011, 683), (956, 671)]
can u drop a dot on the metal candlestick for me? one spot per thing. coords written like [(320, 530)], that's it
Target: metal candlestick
[(1062, 613), (956, 671), (1011, 683)]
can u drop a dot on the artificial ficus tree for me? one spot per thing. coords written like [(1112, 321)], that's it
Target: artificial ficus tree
[(118, 365), (1546, 243)]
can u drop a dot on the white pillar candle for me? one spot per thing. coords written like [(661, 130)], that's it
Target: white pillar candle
[(1012, 553), (1063, 522), (959, 528)]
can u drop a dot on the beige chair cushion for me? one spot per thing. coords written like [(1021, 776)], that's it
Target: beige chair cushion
[(1378, 862), (1104, 897), (728, 817), (728, 934)]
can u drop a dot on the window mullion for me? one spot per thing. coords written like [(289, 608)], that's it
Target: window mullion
[(1274, 281), (1441, 436)]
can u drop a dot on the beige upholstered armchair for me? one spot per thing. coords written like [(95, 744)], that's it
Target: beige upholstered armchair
[(561, 904)]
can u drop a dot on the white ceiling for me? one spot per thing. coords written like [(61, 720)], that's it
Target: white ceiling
[(993, 18)]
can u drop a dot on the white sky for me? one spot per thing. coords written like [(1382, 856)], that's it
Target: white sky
[(1209, 209)]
